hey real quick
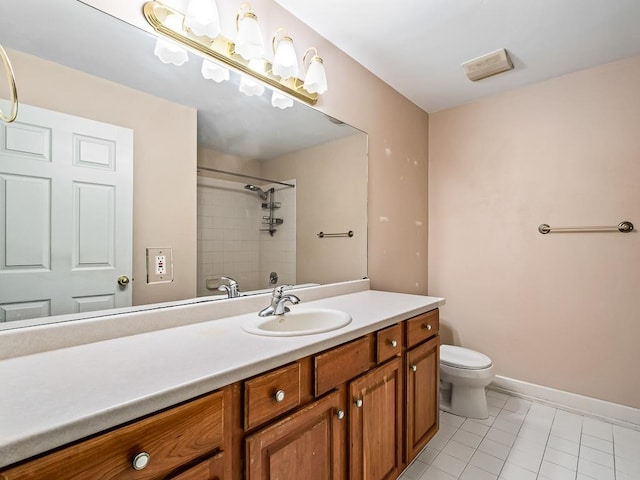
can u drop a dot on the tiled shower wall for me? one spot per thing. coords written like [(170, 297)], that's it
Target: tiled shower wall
[(230, 242)]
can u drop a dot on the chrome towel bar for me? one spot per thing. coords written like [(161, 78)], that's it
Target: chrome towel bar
[(623, 227), (343, 234)]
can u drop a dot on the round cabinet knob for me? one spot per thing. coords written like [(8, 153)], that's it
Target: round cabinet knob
[(123, 280), (279, 395), (140, 461), (393, 343), (414, 368), (340, 414), (359, 403), (427, 326)]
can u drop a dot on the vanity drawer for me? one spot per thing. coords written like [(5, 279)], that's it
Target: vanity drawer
[(270, 394), (209, 469), (171, 438), (422, 327), (388, 343), (340, 364)]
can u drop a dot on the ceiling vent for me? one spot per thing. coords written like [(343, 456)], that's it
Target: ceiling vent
[(487, 65)]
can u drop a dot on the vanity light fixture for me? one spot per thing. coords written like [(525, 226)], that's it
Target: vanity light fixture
[(315, 80), (169, 52), (285, 60), (281, 101), (170, 24), (249, 43), (249, 86), (202, 18), (212, 71)]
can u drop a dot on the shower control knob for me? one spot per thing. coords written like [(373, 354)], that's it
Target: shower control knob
[(358, 403), (414, 368), (393, 343), (279, 396)]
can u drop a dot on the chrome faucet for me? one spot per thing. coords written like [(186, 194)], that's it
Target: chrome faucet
[(232, 289), (278, 300)]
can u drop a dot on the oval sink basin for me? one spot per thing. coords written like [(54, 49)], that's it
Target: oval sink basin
[(299, 321)]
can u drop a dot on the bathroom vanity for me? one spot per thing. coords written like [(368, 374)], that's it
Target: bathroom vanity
[(208, 400)]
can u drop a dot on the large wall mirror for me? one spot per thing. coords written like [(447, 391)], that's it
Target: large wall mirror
[(231, 185)]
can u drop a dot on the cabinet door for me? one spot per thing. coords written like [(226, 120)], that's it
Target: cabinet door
[(310, 444), (376, 423), (423, 364)]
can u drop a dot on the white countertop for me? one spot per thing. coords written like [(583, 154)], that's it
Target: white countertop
[(52, 398)]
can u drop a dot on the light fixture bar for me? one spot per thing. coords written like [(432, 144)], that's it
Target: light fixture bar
[(222, 50)]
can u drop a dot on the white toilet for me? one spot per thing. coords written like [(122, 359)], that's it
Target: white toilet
[(464, 374)]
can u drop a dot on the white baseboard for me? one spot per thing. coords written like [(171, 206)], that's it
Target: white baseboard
[(612, 412)]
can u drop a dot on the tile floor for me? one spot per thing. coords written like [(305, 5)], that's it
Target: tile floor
[(523, 440)]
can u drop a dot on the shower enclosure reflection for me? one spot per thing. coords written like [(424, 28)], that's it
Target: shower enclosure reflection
[(318, 188), (240, 237)]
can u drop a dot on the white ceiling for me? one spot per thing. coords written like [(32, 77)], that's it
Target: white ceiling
[(417, 46)]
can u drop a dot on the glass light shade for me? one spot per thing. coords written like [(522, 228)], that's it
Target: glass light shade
[(213, 71), (315, 81), (202, 18), (285, 60), (166, 50), (249, 43), (281, 101), (250, 87)]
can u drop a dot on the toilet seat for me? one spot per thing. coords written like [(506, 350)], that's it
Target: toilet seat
[(463, 358)]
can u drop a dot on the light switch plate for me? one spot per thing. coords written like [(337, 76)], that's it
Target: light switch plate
[(159, 265)]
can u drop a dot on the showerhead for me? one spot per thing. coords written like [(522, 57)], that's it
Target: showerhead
[(261, 193)]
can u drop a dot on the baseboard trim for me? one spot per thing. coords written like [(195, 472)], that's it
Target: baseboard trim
[(622, 415)]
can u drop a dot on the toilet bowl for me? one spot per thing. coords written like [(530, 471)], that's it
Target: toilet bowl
[(464, 374)]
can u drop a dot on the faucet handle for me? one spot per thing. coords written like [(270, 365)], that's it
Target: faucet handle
[(228, 279), (279, 290)]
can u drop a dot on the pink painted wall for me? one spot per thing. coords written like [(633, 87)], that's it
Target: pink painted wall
[(559, 310)]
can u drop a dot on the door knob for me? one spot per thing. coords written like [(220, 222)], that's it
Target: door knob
[(123, 280)]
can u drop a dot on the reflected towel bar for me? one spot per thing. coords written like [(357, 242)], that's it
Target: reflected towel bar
[(344, 234), (623, 227)]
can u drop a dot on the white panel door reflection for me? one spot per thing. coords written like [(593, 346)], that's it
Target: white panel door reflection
[(66, 193)]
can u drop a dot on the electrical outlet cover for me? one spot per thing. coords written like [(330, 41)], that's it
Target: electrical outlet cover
[(159, 265)]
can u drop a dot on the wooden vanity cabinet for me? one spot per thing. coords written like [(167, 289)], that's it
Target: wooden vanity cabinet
[(375, 408), (358, 411)]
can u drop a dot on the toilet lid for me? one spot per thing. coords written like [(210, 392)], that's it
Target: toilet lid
[(461, 357)]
